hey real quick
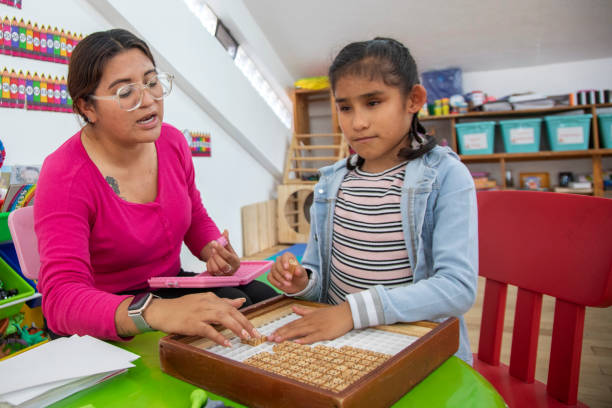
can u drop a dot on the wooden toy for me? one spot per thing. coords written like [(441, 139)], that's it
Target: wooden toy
[(293, 226)]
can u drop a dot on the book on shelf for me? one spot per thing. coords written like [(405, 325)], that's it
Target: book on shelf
[(534, 104), (483, 183), (497, 106), (522, 97), (570, 190), (580, 184)]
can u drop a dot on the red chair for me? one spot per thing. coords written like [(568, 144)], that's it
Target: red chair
[(543, 243)]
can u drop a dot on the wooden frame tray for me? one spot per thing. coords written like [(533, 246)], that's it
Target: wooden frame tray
[(193, 359)]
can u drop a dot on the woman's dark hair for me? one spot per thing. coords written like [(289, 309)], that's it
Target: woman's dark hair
[(389, 60), (90, 56)]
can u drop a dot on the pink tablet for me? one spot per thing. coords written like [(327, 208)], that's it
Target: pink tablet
[(248, 271)]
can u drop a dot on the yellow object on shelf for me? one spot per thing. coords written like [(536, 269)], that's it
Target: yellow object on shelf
[(314, 83)]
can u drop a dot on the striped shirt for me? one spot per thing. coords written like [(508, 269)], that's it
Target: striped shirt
[(368, 246)]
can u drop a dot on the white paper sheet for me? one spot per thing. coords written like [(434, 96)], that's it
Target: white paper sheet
[(57, 364)]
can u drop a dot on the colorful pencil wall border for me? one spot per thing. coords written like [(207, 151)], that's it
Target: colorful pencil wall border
[(199, 143), (34, 92), (25, 40)]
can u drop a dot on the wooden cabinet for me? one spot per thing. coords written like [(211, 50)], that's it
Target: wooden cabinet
[(443, 127)]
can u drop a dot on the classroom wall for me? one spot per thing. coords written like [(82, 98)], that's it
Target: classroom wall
[(551, 79), (248, 141)]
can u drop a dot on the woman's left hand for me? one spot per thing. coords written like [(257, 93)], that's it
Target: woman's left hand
[(315, 325), (221, 261)]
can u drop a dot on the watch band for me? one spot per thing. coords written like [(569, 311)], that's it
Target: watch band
[(136, 310)]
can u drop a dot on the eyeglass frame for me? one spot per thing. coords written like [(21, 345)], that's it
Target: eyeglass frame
[(141, 87)]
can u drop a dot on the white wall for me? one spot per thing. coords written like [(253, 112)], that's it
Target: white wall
[(248, 141), (553, 79)]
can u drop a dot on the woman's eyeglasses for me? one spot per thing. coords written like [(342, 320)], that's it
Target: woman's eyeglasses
[(129, 97)]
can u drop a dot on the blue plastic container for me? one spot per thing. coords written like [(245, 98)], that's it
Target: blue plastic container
[(605, 129), (475, 137), (521, 135), (569, 132)]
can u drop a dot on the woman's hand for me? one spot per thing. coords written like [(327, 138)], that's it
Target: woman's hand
[(193, 315), (318, 324), (287, 274), (220, 261)]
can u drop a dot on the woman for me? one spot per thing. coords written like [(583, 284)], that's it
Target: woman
[(115, 202)]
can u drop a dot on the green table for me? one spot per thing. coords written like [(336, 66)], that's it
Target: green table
[(453, 384)]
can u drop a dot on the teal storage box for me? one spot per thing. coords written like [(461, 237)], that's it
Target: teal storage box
[(569, 132), (12, 280), (521, 135), (605, 129), (475, 137)]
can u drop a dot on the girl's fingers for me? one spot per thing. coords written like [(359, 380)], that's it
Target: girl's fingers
[(302, 311), (297, 328), (310, 338)]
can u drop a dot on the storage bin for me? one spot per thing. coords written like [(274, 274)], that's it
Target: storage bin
[(9, 254), (605, 129), (521, 135), (475, 137), (569, 132), (12, 280)]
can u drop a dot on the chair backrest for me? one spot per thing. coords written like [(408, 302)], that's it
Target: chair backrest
[(21, 225), (543, 243)]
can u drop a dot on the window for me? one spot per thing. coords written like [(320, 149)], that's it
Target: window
[(205, 14), (217, 29), (226, 39)]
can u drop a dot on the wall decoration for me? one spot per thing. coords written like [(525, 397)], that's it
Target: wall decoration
[(34, 92), (2, 154), (21, 39), (199, 143), (18, 196)]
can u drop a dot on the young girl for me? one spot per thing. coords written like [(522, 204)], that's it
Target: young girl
[(394, 234)]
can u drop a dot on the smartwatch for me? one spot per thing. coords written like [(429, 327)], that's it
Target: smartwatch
[(137, 308)]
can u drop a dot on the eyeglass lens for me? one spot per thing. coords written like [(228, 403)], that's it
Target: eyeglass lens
[(130, 96)]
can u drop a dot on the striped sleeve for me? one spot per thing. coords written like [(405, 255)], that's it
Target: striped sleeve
[(366, 308)]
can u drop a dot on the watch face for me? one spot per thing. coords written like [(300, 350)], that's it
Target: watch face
[(139, 301)]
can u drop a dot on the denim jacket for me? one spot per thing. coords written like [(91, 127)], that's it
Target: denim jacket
[(439, 220)]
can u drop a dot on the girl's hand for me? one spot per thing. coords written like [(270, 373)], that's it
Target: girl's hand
[(221, 261), (315, 325), (287, 274), (193, 315)]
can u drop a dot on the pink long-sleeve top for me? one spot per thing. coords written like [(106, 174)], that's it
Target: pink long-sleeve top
[(93, 244)]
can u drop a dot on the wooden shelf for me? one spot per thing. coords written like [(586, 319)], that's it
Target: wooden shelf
[(443, 127), (545, 155), (331, 147), (517, 112)]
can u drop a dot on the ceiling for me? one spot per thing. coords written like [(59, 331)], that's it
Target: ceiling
[(475, 35)]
